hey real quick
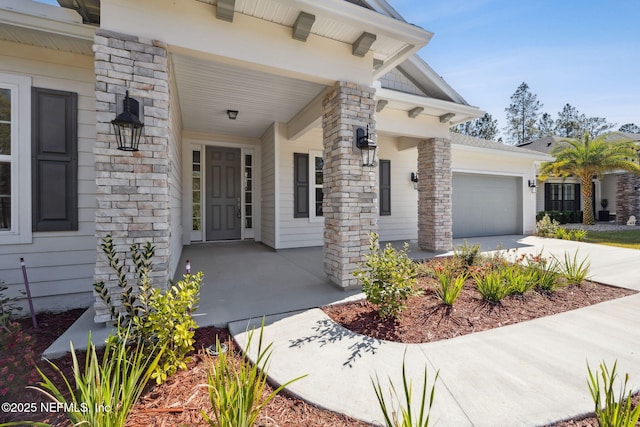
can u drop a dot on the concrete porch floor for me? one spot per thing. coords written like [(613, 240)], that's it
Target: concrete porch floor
[(245, 280)]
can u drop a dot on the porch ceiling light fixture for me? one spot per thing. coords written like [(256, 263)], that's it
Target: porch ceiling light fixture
[(367, 146), (232, 114), (302, 26), (127, 125), (225, 10), (445, 118), (415, 112), (363, 43)]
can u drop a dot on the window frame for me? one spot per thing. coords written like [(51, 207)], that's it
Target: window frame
[(20, 159), (313, 186), (384, 165)]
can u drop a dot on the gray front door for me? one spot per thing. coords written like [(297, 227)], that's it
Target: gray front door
[(223, 194)]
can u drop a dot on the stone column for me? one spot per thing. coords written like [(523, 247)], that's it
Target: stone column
[(132, 187), (350, 190), (434, 195), (627, 197)]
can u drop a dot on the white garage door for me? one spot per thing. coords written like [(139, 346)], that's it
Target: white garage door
[(486, 205)]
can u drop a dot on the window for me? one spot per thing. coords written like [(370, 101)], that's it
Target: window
[(248, 191), (385, 187), (15, 152), (562, 197), (196, 180), (308, 181)]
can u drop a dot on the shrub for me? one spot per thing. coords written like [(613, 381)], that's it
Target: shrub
[(517, 279), (104, 392), (17, 366), (449, 286), (156, 318), (547, 227), (8, 306), (573, 270), (388, 277), (492, 286), (390, 413), (467, 253), (544, 273), (609, 411), (236, 390)]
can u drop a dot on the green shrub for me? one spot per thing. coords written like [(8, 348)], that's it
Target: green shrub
[(449, 286), (467, 253), (236, 390), (104, 392), (609, 411), (409, 419), (517, 279), (388, 277), (492, 286), (544, 273), (547, 227), (8, 306), (154, 317), (573, 270)]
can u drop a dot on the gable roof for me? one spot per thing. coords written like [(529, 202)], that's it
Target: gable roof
[(485, 144), (548, 143)]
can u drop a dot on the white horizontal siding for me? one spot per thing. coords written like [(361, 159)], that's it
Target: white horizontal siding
[(60, 265), (402, 224), (175, 180), (296, 232), (268, 181)]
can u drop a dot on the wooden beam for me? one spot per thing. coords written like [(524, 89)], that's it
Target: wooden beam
[(302, 26), (381, 104), (415, 112), (363, 43), (225, 10)]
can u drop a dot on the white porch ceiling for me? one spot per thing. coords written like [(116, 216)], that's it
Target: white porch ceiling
[(207, 89)]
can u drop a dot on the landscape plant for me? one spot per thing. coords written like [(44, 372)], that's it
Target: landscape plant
[(469, 254), (237, 390), (400, 412), (612, 412), (544, 273), (574, 270), (449, 285), (547, 227), (156, 318), (518, 280), (492, 286), (104, 391), (16, 349), (388, 277)]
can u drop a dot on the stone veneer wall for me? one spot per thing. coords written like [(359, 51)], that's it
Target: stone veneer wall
[(435, 222), (350, 204), (133, 203), (627, 197)]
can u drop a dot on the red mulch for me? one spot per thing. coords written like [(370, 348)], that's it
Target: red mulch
[(178, 402)]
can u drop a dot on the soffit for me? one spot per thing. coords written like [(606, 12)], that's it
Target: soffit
[(45, 39), (340, 27), (208, 89)]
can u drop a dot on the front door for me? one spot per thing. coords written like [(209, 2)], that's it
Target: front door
[(223, 197)]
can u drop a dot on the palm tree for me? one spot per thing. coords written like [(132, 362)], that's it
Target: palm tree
[(587, 158)]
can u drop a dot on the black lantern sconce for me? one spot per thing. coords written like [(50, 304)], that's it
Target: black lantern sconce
[(367, 146), (127, 125), (532, 186), (414, 180)]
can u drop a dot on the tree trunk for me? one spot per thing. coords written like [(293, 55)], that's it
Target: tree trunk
[(587, 213)]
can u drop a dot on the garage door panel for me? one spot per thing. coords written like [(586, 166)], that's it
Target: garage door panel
[(486, 205)]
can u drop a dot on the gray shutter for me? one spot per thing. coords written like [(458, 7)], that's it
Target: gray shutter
[(385, 187), (300, 185), (54, 154)]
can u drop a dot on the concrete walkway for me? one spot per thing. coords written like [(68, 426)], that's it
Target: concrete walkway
[(529, 374)]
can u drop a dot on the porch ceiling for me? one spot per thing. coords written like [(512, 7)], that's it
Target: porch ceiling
[(207, 89)]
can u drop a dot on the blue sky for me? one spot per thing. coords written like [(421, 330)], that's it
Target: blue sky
[(582, 52)]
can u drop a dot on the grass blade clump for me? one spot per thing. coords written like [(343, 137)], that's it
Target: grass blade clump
[(612, 412), (449, 286), (574, 270), (492, 286)]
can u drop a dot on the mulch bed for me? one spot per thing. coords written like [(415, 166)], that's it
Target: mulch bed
[(427, 320), (178, 401)]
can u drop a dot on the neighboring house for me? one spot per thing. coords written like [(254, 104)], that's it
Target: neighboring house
[(621, 189), (250, 113)]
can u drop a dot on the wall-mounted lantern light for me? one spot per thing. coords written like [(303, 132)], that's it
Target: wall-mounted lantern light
[(414, 180), (127, 125), (532, 186), (367, 146), (232, 114)]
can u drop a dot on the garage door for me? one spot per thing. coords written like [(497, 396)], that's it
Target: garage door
[(486, 205)]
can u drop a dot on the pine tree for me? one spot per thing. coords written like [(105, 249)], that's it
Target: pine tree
[(522, 115), (546, 125), (484, 127), (630, 128)]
